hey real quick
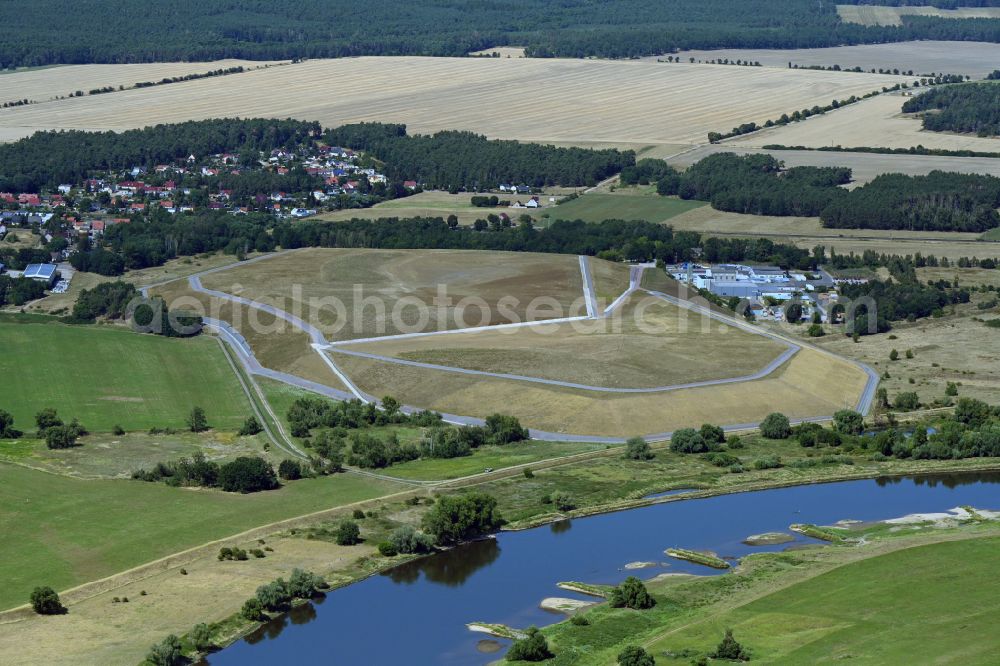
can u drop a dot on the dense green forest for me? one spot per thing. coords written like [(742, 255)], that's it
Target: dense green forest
[(46, 159), (269, 29), (758, 184), (455, 160), (970, 107)]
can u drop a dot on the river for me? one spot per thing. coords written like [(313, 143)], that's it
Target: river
[(416, 613)]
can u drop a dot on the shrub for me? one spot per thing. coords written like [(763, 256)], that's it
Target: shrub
[(45, 601), (251, 427), (907, 400), (729, 649), (563, 501), (304, 584), (815, 331), (60, 437), (459, 517), (166, 653), (951, 390), (406, 539), (637, 448), (722, 459), (776, 426), (712, 433), (290, 470), (247, 475), (118, 431), (274, 596), (348, 533), (201, 637), (358, 514), (197, 421), (533, 647), (688, 440), (767, 462), (631, 594), (504, 429), (252, 609), (635, 656), (894, 355), (579, 621), (387, 549), (848, 422), (528, 474)]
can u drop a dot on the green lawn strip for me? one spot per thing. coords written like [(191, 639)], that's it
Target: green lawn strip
[(108, 376), (62, 532), (596, 207), (487, 457)]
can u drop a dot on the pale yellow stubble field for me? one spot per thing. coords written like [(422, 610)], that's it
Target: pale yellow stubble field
[(876, 122), (43, 84), (528, 99), (870, 15)]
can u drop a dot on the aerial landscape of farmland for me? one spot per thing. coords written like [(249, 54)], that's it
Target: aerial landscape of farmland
[(630, 333)]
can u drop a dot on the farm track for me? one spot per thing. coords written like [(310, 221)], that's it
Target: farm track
[(321, 346)]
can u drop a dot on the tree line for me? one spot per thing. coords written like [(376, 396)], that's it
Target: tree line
[(272, 30), (971, 107), (453, 160), (758, 184), (46, 159)]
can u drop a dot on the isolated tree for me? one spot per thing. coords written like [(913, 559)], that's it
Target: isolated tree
[(636, 448), (907, 400), (793, 312), (631, 594), (504, 429), (166, 653), (390, 406), (305, 584), (455, 518), (348, 533), (45, 601), (197, 421), (848, 422), (776, 426), (634, 655), (533, 647), (729, 649), (251, 427)]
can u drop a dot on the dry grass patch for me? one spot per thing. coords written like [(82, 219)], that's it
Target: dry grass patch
[(652, 343), (951, 349), (98, 631), (571, 100), (402, 286), (611, 279), (810, 384)]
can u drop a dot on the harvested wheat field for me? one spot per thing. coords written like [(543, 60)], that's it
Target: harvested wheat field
[(650, 343), (977, 59), (350, 294), (877, 122), (515, 98), (873, 15), (44, 84), (811, 384)]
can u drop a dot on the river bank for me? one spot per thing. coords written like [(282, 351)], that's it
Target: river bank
[(131, 632)]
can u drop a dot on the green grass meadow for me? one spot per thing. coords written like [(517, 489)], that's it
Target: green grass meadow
[(596, 207), (62, 532), (935, 601), (106, 376)]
